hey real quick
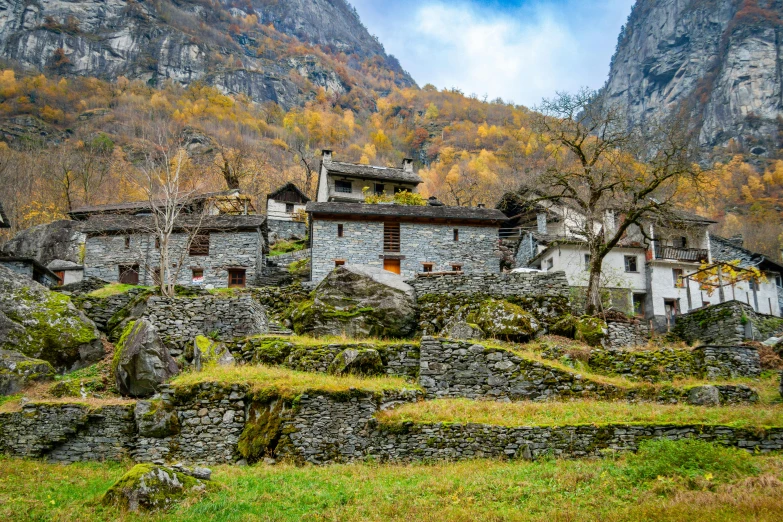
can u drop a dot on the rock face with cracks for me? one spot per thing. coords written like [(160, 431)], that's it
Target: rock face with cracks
[(358, 301), (17, 370), (45, 325), (141, 361)]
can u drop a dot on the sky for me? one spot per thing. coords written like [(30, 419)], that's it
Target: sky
[(518, 50)]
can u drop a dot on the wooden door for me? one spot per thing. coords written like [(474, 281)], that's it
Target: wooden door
[(129, 274), (392, 265)]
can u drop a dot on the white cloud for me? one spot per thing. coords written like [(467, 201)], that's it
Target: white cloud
[(520, 54)]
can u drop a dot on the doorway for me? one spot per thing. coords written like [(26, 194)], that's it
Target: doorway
[(392, 265), (671, 309)]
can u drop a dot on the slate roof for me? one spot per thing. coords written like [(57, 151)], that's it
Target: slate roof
[(725, 250), (29, 261), (352, 170), (137, 206), (285, 187), (120, 223), (4, 223), (445, 213), (62, 265)]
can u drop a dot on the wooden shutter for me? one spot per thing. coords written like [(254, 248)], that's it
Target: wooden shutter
[(391, 237)]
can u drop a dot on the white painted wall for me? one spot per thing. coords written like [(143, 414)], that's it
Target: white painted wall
[(571, 260), (72, 276), (276, 210)]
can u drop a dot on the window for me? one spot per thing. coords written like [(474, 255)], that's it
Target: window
[(60, 275), (127, 242), (426, 267), (630, 264), (677, 276), (391, 237), (588, 258), (343, 186), (550, 263), (638, 304), (200, 245), (752, 284), (198, 276), (236, 278), (379, 188), (392, 265), (778, 280), (339, 262), (680, 242), (289, 208), (456, 268), (340, 230), (156, 277), (456, 234), (129, 274), (157, 243)]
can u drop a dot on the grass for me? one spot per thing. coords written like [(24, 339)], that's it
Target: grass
[(284, 246), (580, 412), (113, 289), (667, 482), (288, 383)]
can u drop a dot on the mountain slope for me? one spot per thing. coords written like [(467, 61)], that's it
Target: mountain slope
[(231, 45), (722, 60)]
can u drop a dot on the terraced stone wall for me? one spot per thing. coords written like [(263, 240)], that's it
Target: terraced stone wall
[(622, 334), (726, 324), (101, 310), (495, 285)]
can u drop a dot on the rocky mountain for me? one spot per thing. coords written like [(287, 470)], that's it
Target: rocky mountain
[(721, 60), (265, 49)]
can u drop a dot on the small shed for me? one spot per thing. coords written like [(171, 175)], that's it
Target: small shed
[(68, 271), (287, 203)]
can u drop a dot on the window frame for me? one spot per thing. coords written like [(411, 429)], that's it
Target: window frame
[(128, 268), (427, 268), (380, 189), (289, 208), (193, 272), (342, 186), (456, 267), (679, 281), (588, 259), (196, 248), (127, 242), (629, 258), (237, 271), (339, 262), (456, 234), (340, 230), (392, 240), (550, 264)]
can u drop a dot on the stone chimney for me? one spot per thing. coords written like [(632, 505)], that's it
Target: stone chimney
[(407, 165), (737, 240), (326, 155), (481, 205), (541, 222)]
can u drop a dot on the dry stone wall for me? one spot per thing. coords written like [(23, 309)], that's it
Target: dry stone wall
[(102, 309), (495, 285), (729, 361), (726, 324), (622, 334)]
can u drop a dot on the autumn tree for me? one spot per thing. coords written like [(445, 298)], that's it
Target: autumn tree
[(610, 176)]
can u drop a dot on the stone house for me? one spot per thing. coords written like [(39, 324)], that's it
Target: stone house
[(404, 239), (346, 182), (211, 251), (67, 271), (285, 213), (645, 275), (32, 269)]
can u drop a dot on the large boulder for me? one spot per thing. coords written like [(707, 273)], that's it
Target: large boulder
[(357, 362), (156, 418), (208, 353), (359, 301), (149, 487), (141, 361), (45, 325), (501, 319), (61, 240), (17, 371), (587, 329)]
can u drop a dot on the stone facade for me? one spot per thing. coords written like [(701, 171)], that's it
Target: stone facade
[(237, 249), (180, 319), (476, 250), (622, 334), (28, 268), (494, 285), (284, 229)]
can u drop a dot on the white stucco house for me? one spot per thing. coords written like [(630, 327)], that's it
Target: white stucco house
[(645, 274), (345, 182)]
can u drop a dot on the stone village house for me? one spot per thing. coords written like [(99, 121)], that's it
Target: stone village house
[(285, 213), (645, 278), (404, 239), (226, 242), (25, 265)]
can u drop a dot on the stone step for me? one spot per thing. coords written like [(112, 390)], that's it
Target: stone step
[(278, 329)]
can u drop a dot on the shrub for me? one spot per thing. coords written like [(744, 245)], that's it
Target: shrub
[(688, 458)]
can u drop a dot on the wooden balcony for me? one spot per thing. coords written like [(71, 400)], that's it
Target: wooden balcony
[(694, 255)]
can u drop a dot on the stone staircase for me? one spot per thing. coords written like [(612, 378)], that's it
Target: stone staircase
[(274, 276), (276, 328)]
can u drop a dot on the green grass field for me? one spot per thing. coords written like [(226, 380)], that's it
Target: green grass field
[(665, 481)]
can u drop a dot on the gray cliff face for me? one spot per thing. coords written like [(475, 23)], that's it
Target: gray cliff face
[(719, 62), (185, 41)]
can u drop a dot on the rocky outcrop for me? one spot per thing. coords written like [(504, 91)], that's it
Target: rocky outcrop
[(45, 325), (17, 371), (59, 240), (720, 59), (148, 487), (357, 362), (141, 361), (359, 301)]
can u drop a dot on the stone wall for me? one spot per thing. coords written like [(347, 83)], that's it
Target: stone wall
[(622, 334), (279, 229), (726, 324), (648, 365), (495, 285), (729, 362), (180, 319), (243, 249), (68, 432), (476, 251), (102, 309)]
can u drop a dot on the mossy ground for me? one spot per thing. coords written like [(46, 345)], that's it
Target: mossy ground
[(113, 289), (285, 246), (666, 482)]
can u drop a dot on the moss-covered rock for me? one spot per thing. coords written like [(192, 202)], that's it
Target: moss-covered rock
[(45, 325), (147, 487), (17, 371), (499, 318), (262, 430), (208, 353), (565, 327), (591, 330), (357, 362), (141, 361), (156, 419)]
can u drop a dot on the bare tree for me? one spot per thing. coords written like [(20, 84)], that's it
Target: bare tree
[(608, 176)]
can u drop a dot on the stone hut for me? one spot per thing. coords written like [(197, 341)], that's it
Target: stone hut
[(346, 182), (285, 213)]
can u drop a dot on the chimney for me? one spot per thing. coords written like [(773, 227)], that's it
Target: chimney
[(541, 222), (326, 155), (737, 240), (481, 205), (407, 165)]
